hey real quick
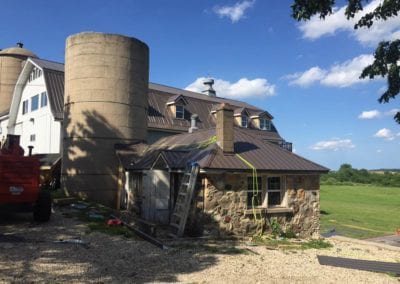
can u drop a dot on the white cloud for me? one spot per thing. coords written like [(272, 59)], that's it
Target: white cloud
[(369, 114), (308, 77), (379, 151), (334, 144), (385, 133), (339, 75), (392, 112), (235, 12), (380, 30), (243, 88)]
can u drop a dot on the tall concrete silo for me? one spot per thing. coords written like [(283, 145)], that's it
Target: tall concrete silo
[(105, 102), (10, 68)]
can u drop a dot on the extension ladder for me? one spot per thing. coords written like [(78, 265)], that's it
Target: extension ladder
[(183, 202)]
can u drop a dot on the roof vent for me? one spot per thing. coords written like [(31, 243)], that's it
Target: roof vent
[(193, 123), (20, 44), (210, 90)]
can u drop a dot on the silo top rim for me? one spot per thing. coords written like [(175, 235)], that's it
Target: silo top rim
[(18, 51), (105, 35)]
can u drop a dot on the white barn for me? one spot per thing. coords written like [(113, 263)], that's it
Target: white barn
[(36, 110)]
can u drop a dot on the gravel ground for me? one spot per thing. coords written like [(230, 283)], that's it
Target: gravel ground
[(29, 254)]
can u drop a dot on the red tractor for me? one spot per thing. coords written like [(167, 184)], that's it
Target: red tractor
[(19, 181)]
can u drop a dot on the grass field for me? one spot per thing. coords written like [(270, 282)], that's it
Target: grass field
[(360, 211)]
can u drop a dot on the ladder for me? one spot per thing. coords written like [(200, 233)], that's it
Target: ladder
[(183, 202)]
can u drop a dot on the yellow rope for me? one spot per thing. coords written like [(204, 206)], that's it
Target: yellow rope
[(255, 184)]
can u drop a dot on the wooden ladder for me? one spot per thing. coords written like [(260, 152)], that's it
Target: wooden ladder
[(183, 202)]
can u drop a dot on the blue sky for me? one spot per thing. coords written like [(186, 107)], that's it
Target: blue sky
[(304, 74)]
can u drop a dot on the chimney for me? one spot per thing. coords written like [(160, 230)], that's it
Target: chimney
[(193, 122), (20, 44), (224, 128), (210, 90)]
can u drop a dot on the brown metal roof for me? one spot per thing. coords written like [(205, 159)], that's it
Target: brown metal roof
[(261, 154), (161, 116)]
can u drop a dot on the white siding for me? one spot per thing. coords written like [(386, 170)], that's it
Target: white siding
[(3, 129), (39, 122)]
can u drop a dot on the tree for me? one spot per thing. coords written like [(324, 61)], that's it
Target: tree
[(387, 54)]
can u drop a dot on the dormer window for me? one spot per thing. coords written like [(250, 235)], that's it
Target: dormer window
[(179, 112), (265, 124), (177, 105), (245, 121)]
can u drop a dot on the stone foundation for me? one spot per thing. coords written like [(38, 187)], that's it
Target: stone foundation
[(226, 211)]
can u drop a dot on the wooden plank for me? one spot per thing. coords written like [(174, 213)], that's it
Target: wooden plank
[(368, 265), (143, 235)]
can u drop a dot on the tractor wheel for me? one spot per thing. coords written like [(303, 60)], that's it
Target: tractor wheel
[(42, 209)]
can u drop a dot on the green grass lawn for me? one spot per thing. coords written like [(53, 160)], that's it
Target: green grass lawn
[(360, 211)]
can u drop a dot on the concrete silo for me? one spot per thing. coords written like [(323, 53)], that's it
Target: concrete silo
[(10, 68), (105, 102)]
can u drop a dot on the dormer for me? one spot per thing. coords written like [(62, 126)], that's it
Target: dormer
[(177, 106), (262, 120), (242, 116)]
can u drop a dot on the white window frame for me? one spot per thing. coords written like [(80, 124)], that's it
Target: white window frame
[(43, 99), (249, 192), (180, 112), (281, 190), (38, 102), (265, 124)]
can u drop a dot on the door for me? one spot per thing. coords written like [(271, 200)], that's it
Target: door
[(156, 197)]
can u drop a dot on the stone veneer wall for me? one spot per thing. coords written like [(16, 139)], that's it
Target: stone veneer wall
[(226, 212)]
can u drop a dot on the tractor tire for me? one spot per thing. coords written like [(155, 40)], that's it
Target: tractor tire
[(42, 209)]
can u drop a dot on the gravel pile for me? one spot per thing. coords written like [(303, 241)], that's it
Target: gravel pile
[(64, 251)]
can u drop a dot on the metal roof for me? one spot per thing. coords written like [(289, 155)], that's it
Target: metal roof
[(263, 155), (47, 64), (53, 73), (160, 116)]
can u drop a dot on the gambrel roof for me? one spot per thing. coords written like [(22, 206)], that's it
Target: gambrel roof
[(53, 73)]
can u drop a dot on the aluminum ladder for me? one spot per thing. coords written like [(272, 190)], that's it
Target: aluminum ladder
[(183, 202)]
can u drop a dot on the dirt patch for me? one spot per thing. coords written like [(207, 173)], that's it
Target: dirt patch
[(32, 252)]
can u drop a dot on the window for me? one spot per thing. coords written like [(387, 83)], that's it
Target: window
[(34, 102), (32, 138), (265, 124), (36, 73), (180, 112), (274, 191), (244, 121), (24, 106), (254, 193), (43, 99)]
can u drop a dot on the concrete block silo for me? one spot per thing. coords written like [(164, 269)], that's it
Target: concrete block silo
[(105, 102), (11, 60)]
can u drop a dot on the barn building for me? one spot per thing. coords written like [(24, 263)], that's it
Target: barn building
[(195, 161)]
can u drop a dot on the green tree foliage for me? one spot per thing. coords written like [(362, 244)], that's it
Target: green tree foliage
[(387, 54), (347, 175)]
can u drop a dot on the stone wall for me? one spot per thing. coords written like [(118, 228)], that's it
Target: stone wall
[(226, 212)]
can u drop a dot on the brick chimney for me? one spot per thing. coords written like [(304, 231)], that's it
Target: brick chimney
[(224, 128)]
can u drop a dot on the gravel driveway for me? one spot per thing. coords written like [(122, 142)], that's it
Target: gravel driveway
[(30, 253)]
